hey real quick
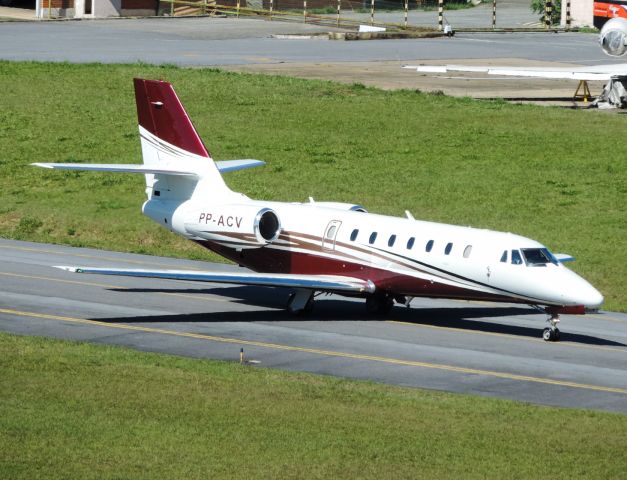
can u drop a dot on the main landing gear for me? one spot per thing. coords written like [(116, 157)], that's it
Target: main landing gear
[(552, 333), (301, 302), (379, 304)]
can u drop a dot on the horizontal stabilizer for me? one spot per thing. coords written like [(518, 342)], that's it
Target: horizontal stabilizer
[(564, 257), (223, 166), (327, 283), (117, 167), (233, 165)]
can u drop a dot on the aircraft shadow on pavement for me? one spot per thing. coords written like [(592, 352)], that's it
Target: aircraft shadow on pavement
[(466, 318)]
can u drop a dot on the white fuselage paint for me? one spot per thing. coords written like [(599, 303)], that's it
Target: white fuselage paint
[(304, 227)]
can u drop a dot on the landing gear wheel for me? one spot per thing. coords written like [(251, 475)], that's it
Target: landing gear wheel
[(379, 304), (551, 334), (309, 306)]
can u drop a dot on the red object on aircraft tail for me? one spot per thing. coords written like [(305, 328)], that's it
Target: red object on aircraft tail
[(160, 111)]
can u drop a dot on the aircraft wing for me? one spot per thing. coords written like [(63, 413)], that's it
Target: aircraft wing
[(325, 283), (596, 72)]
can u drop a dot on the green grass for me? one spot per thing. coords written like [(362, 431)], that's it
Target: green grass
[(72, 410), (555, 175)]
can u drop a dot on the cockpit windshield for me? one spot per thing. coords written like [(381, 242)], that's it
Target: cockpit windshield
[(538, 256)]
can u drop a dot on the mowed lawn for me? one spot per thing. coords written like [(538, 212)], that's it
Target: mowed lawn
[(555, 175), (72, 410)]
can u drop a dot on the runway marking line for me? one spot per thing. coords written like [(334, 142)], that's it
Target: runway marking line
[(329, 353)]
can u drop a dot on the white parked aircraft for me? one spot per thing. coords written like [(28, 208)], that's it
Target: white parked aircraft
[(325, 246), (613, 40)]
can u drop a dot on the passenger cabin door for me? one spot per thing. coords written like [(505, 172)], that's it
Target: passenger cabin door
[(330, 233)]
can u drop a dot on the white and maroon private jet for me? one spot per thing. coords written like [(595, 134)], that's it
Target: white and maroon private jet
[(328, 247)]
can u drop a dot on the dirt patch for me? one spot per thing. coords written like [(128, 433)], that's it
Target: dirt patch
[(389, 75)]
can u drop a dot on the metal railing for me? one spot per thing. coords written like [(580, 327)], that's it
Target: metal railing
[(393, 15)]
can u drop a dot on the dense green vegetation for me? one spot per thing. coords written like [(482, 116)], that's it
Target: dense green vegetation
[(70, 410), (555, 175)]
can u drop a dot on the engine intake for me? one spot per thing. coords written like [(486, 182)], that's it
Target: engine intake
[(237, 226), (613, 37), (267, 226)]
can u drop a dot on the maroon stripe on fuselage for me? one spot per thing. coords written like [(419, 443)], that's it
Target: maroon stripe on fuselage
[(272, 260)]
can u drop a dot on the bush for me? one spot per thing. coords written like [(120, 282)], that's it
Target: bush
[(538, 6)]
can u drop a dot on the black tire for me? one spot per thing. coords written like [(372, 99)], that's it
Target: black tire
[(379, 304)]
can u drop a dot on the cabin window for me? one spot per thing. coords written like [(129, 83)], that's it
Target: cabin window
[(504, 257), (391, 240), (373, 237), (410, 243), (354, 234), (467, 251), (429, 246), (516, 259), (448, 248)]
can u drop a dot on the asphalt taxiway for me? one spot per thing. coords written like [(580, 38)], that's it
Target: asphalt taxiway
[(297, 49), (473, 348)]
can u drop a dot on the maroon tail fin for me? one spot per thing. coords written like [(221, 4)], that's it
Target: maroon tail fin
[(160, 112)]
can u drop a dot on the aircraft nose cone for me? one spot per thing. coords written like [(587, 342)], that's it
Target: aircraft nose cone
[(583, 293), (592, 298)]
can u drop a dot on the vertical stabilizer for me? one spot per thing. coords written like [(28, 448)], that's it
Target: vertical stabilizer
[(160, 112), (169, 139)]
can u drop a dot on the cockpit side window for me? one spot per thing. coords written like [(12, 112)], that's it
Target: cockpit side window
[(504, 257), (538, 257), (516, 258)]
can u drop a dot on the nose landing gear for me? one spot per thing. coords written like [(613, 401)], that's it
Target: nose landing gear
[(552, 333)]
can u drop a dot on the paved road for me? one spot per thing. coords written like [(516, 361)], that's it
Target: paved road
[(222, 41), (454, 346), (251, 45)]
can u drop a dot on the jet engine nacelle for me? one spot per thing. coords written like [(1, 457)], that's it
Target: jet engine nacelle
[(613, 37), (240, 226)]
